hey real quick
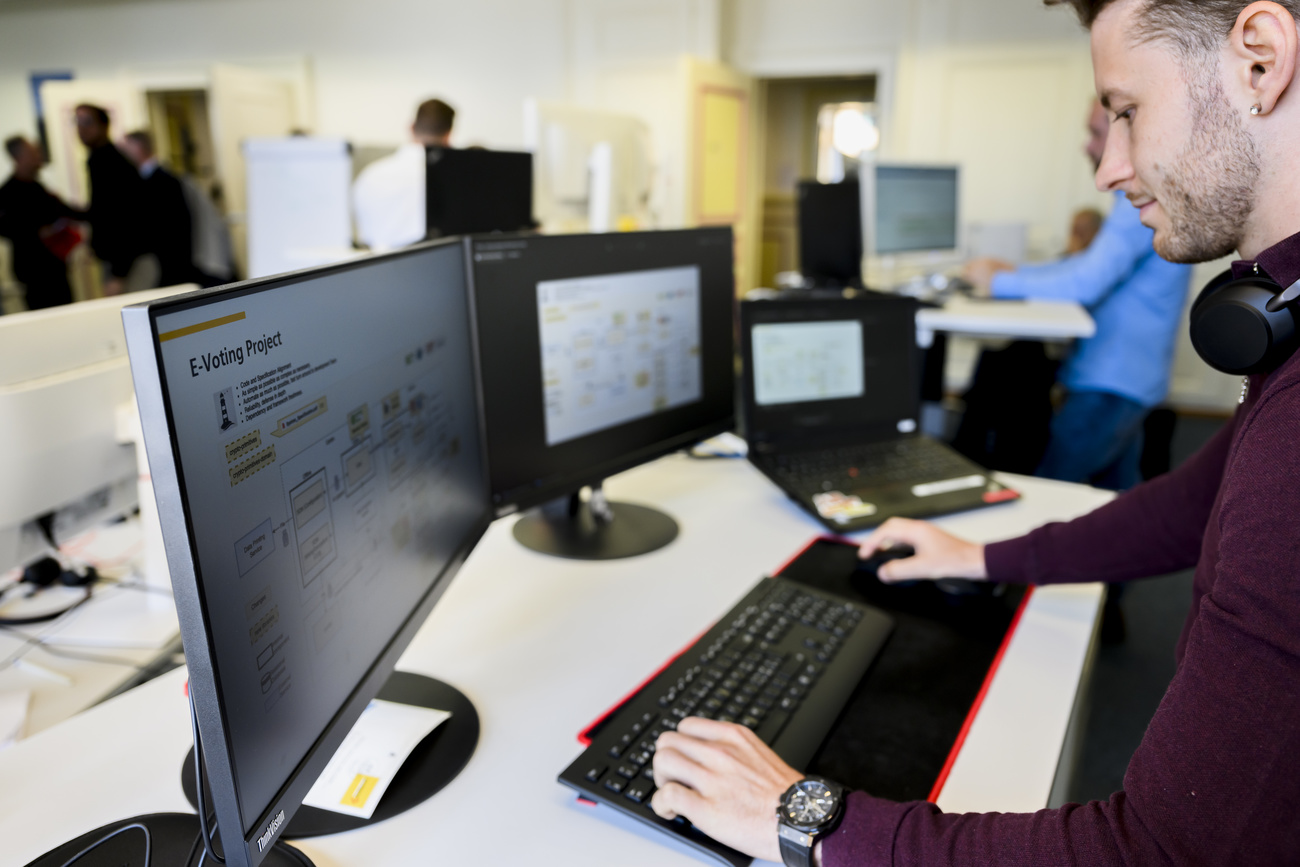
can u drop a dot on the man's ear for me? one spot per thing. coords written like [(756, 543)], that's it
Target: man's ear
[(1264, 45)]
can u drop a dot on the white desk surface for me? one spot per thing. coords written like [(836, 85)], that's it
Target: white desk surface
[(90, 651), (1001, 319), (542, 646)]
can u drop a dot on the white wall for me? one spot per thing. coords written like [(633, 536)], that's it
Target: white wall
[(372, 61)]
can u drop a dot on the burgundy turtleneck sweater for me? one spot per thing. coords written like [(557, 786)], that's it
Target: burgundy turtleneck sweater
[(1216, 779)]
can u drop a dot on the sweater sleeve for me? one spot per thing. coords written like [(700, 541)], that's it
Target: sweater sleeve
[(1213, 780), (1154, 529)]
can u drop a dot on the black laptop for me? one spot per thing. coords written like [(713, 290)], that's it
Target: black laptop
[(832, 409)]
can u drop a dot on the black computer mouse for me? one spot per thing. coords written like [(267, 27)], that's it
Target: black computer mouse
[(871, 565)]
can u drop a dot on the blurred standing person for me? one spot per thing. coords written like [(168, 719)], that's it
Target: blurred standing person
[(168, 224), (31, 215), (388, 197), (115, 213)]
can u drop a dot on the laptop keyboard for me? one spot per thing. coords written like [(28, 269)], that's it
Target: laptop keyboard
[(916, 459)]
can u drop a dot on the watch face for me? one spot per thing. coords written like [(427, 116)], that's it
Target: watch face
[(810, 804)]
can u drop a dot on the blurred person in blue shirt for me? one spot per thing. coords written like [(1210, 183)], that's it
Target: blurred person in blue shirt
[(1116, 377)]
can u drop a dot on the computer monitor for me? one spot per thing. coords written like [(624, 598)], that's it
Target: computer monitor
[(67, 462), (598, 353), (592, 169), (469, 191), (830, 233), (316, 449), (911, 209)]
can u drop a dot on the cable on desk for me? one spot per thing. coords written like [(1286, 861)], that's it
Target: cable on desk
[(31, 642), (148, 844)]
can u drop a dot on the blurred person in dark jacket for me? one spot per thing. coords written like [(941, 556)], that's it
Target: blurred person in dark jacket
[(168, 224), (116, 215), (31, 217)]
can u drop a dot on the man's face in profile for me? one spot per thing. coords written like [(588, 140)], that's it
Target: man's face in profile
[(1176, 147), (91, 132)]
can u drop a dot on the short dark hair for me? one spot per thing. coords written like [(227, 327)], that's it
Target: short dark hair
[(1192, 24), (13, 145), (95, 111), (434, 117), (142, 138)]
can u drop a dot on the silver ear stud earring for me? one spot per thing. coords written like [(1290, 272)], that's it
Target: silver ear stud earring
[(1256, 109)]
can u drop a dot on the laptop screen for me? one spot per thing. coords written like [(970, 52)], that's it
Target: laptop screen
[(827, 372)]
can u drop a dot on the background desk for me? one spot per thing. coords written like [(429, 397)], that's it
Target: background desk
[(542, 646), (98, 646), (1003, 319)]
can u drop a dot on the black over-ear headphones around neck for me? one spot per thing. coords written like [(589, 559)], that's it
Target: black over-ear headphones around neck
[(1245, 325)]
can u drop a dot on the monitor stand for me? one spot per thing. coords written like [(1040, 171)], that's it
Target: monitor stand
[(173, 841), (594, 529), (430, 766)]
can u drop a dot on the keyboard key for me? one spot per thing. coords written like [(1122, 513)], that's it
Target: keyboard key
[(771, 727), (628, 771), (615, 784), (596, 772), (639, 790)]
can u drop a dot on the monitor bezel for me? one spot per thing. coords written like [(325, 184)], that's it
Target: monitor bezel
[(595, 473), (140, 324), (867, 190)]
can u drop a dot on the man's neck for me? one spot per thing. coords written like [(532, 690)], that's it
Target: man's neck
[(1276, 215)]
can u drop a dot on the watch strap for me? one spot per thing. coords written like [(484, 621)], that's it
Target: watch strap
[(796, 847)]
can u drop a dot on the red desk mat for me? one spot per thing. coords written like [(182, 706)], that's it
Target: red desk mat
[(901, 731)]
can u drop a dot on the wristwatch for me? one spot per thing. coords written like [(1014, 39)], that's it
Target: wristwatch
[(809, 810)]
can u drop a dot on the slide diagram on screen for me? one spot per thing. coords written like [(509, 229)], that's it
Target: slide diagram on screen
[(618, 347), (801, 361)]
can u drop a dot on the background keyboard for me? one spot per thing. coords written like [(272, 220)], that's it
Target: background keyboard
[(916, 459), (783, 662)]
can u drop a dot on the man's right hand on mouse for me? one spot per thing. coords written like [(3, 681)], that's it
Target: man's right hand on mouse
[(938, 554)]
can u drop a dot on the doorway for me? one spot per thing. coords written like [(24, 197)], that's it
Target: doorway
[(182, 134), (803, 119)]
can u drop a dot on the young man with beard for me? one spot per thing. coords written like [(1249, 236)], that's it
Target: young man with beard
[(1205, 113)]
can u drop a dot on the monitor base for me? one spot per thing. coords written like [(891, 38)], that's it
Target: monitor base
[(173, 841), (594, 529), (430, 766)]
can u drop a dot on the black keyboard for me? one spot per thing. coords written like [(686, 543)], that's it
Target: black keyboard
[(915, 459), (782, 662)]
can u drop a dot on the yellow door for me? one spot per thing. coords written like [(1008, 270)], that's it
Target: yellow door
[(723, 157)]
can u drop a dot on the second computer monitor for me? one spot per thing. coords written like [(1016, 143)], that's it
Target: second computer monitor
[(911, 209), (830, 233), (598, 353), (476, 190)]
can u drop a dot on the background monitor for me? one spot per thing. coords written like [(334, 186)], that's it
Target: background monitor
[(911, 208), (469, 191), (598, 353), (830, 233), (64, 385), (592, 169), (315, 444)]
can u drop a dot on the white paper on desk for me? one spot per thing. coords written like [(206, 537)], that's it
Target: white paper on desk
[(13, 716), (354, 781)]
